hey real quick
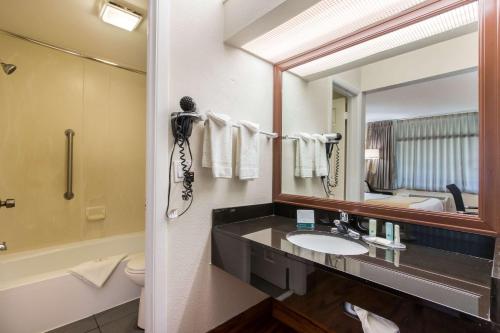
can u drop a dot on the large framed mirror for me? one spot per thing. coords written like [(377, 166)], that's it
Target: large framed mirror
[(396, 120)]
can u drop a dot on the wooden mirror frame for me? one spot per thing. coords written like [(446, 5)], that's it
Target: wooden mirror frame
[(488, 221)]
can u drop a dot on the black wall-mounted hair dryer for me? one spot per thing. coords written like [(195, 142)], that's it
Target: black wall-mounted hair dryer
[(182, 127)]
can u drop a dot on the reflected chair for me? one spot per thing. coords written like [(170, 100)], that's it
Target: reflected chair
[(459, 201), (373, 190)]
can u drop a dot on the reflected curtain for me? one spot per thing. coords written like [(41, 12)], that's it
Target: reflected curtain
[(380, 173), (435, 151)]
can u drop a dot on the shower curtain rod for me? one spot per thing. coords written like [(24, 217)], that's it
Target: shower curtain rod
[(75, 53)]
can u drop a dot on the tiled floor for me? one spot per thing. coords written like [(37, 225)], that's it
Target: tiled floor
[(121, 319)]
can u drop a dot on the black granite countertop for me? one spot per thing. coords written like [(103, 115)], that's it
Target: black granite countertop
[(456, 281)]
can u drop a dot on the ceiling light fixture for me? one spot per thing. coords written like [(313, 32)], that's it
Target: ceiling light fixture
[(457, 18), (120, 16), (321, 23)]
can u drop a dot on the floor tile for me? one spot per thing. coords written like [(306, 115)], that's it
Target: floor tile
[(118, 312), (126, 324), (81, 326)]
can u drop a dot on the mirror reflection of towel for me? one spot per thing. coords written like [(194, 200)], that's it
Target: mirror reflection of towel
[(375, 324), (320, 161)]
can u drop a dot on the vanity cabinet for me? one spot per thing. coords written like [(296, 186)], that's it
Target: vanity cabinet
[(314, 287)]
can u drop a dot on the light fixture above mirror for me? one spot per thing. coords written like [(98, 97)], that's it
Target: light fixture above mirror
[(322, 22)]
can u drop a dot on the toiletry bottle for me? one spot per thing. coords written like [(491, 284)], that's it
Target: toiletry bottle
[(372, 228), (397, 236), (389, 231)]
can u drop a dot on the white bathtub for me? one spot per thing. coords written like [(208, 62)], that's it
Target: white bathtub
[(38, 294)]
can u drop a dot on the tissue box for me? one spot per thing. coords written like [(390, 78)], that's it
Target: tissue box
[(305, 219)]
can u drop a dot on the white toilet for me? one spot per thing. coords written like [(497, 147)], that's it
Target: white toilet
[(135, 271)]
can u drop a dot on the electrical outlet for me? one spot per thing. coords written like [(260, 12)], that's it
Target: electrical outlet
[(178, 172)]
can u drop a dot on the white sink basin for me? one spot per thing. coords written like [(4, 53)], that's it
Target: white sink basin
[(326, 243)]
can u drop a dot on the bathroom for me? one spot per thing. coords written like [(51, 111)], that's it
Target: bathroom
[(119, 90)]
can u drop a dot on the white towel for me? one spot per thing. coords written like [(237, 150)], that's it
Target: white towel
[(375, 324), (218, 145), (247, 151), (304, 156), (97, 272), (320, 161)]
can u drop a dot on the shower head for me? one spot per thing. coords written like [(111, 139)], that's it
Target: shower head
[(8, 68)]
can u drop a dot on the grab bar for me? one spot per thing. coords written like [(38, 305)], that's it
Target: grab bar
[(68, 195)]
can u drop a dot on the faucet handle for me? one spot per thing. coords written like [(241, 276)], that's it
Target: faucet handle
[(353, 234), (3, 246), (344, 217)]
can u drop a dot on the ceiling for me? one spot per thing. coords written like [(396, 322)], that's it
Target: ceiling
[(457, 93), (448, 25), (75, 25), (320, 23)]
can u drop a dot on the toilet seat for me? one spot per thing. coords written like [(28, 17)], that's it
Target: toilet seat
[(136, 265)]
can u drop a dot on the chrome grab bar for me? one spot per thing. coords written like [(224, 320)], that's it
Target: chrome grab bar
[(68, 195)]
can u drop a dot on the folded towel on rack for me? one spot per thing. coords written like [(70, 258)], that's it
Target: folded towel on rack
[(218, 145), (375, 324), (247, 151), (304, 155), (320, 160), (97, 272)]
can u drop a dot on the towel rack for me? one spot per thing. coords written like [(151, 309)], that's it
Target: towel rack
[(290, 137), (270, 135), (329, 138)]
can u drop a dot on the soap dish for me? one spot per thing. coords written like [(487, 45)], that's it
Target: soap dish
[(384, 242)]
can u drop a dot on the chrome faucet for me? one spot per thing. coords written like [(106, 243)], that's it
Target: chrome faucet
[(3, 246), (343, 226)]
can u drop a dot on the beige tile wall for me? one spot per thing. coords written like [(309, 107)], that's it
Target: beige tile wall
[(50, 92)]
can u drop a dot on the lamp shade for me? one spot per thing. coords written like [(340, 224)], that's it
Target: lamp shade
[(372, 154)]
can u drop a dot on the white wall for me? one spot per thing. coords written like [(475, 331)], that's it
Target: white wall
[(449, 56), (227, 80), (307, 107)]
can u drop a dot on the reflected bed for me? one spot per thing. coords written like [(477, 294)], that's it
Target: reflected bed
[(432, 204)]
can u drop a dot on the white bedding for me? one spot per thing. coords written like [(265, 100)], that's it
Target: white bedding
[(431, 204)]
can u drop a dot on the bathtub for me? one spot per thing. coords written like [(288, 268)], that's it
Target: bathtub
[(38, 294)]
